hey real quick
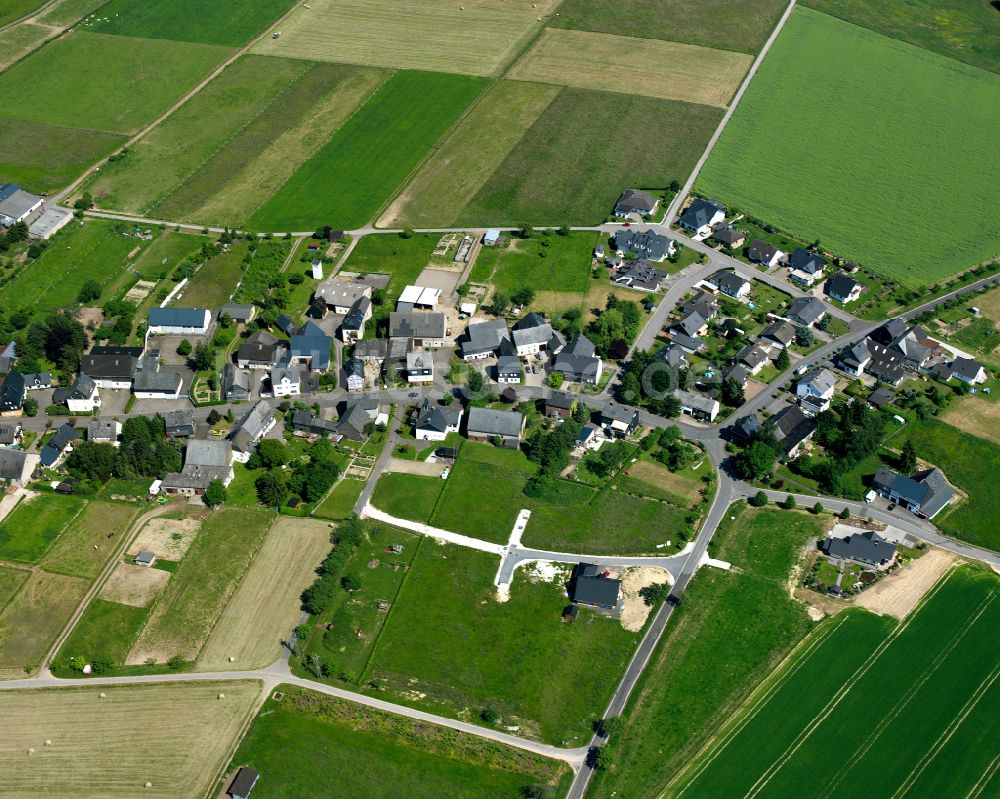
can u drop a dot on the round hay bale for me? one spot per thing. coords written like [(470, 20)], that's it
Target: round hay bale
[(147, 784), (101, 695), (222, 696), (48, 742)]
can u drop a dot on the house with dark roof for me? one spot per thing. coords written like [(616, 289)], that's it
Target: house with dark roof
[(286, 325), (805, 267), (311, 346), (765, 254), (427, 329), (619, 421), (81, 397), (701, 302), (371, 350), (354, 375), (731, 284), (306, 421), (357, 414), (636, 201), (842, 288), (239, 312), (689, 344), (578, 362), (58, 445), (243, 783), (641, 275), (590, 586), (559, 405), (968, 371), (112, 367), (10, 435), (737, 372), (692, 324), (881, 397), (179, 423), (251, 428), (37, 381), (509, 369), (701, 217), (285, 379), (698, 406), (779, 333), (104, 431), (854, 358), (531, 334), (672, 354), (259, 351), (352, 328), (868, 549), (179, 321), (886, 365), (235, 383), (806, 311), (483, 339), (648, 245), (12, 394), (433, 422), (156, 384), (925, 493), (745, 429), (484, 424), (793, 428), (17, 466), (753, 357), (729, 237)]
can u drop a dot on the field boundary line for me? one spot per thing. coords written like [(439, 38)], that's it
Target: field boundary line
[(266, 686), (949, 731), (984, 780), (755, 703), (905, 699), (848, 686)]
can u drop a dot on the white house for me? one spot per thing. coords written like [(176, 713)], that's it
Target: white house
[(816, 383), (433, 422), (179, 321), (731, 284), (761, 252), (81, 397), (419, 367), (286, 380), (701, 217), (968, 371), (698, 406)]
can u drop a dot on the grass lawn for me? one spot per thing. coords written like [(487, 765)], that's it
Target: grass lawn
[(741, 27), (106, 630), (303, 739), (732, 629), (408, 496), (457, 169), (371, 154), (214, 283), (387, 254), (56, 156), (339, 503), (15, 9), (189, 607), (969, 32), (110, 83), (935, 678), (540, 182), (871, 88), (542, 263), (11, 581), (34, 524), (467, 652), (88, 542), (17, 42), (202, 21)]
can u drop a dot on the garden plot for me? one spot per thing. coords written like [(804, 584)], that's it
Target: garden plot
[(605, 62), (168, 538)]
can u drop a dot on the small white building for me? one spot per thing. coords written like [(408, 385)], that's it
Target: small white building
[(491, 237), (286, 380), (420, 297), (317, 269)]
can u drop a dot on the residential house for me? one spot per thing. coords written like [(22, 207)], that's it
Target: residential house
[(868, 549), (533, 334), (285, 379), (179, 423), (636, 201), (235, 383), (509, 369), (853, 359), (12, 394), (286, 325), (433, 422), (318, 309), (753, 357), (483, 339), (310, 345), (484, 424), (419, 368), (672, 355), (306, 421), (794, 429), (806, 311), (104, 431), (816, 382), (703, 303), (779, 333), (730, 237), (701, 217), (910, 344), (925, 493), (559, 405), (689, 344), (204, 462), (352, 329), (427, 329), (745, 429), (354, 375), (251, 428), (842, 288), (58, 445), (17, 466), (881, 397), (693, 324), (240, 312), (179, 321), (357, 415), (968, 371), (619, 421), (731, 284), (340, 296), (698, 406), (805, 267), (112, 367), (578, 361), (641, 275), (8, 357), (154, 384), (81, 397), (737, 372), (37, 381), (259, 351), (243, 783), (647, 245), (765, 254), (589, 586), (589, 438), (10, 435), (371, 350)]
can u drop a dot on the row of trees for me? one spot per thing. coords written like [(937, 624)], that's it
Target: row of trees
[(348, 537)]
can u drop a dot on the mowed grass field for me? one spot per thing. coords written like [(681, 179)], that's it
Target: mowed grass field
[(969, 32), (109, 83), (540, 180), (449, 638), (215, 281), (542, 263), (477, 37), (738, 25), (201, 21), (607, 62), (298, 742), (11, 579), (266, 606), (372, 153), (34, 524), (936, 675), (15, 9), (459, 166), (57, 154), (915, 126), (174, 736), (85, 546)]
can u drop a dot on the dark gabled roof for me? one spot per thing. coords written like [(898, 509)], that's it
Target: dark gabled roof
[(854, 355), (840, 285), (692, 323), (12, 392), (806, 261), (966, 367), (435, 417), (160, 382), (490, 422), (354, 367), (240, 311), (234, 381), (737, 372), (243, 782), (881, 397), (178, 317), (53, 449), (762, 251), (561, 400), (580, 345), (673, 354), (12, 463), (304, 419), (371, 348), (928, 490), (729, 235), (647, 244), (508, 365), (590, 587), (747, 427), (286, 325), (577, 368), (792, 427), (779, 330), (355, 319), (635, 200), (178, 420), (260, 347), (699, 213), (867, 547), (686, 342), (484, 337), (728, 281), (311, 342), (806, 310)]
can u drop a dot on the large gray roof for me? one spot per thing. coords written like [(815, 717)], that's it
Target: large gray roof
[(417, 324), (484, 337), (207, 452), (490, 422), (178, 317)]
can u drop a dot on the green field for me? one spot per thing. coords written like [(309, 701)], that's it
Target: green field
[(407, 496), (15, 9), (105, 630), (540, 181), (466, 651), (374, 151), (404, 259), (298, 742), (967, 31), (215, 281), (936, 679), (739, 26), (732, 629), (339, 503), (11, 581), (542, 263), (110, 83), (916, 125), (85, 546), (56, 155), (201, 21), (34, 524)]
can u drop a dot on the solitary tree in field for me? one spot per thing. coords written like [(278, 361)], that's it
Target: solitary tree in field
[(908, 457)]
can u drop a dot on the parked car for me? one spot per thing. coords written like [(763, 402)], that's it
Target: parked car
[(414, 394), (892, 506)]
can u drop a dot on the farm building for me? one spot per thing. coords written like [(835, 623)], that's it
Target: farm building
[(154, 384), (251, 428), (483, 339), (17, 205), (243, 783), (426, 329), (312, 346), (144, 558), (17, 466), (419, 297), (260, 351), (239, 312), (48, 223), (112, 367), (205, 460), (340, 296), (179, 321), (491, 237), (578, 362)]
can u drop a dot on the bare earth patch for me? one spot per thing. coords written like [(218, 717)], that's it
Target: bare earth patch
[(975, 416), (635, 610), (134, 585), (661, 477), (423, 468), (899, 593), (168, 539)]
